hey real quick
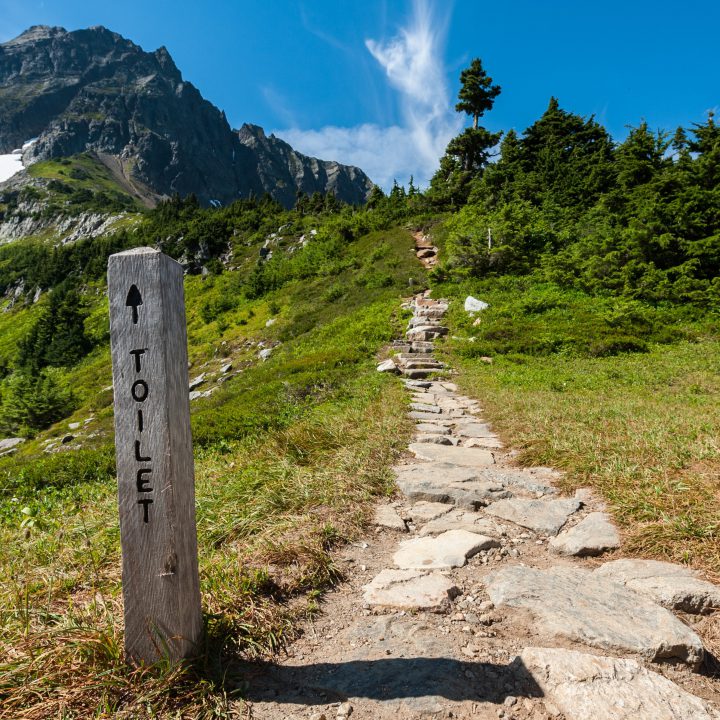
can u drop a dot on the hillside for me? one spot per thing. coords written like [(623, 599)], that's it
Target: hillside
[(595, 354), (93, 91)]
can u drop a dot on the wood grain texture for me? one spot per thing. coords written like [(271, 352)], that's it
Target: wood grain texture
[(155, 470)]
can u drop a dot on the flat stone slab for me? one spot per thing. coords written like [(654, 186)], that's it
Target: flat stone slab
[(410, 590), (387, 517), (463, 520), (435, 439), (580, 606), (545, 517), (425, 408), (446, 483), (593, 535), (467, 457), (474, 430), (487, 442), (433, 428), (446, 551), (673, 586), (422, 512), (588, 687), (428, 417)]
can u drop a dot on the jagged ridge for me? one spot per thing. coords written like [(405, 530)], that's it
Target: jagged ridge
[(93, 90)]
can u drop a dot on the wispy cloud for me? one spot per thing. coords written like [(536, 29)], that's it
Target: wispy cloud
[(413, 65)]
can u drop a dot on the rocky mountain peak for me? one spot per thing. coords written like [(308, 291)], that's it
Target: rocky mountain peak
[(95, 91)]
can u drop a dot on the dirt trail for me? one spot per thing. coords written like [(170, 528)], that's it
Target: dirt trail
[(483, 593)]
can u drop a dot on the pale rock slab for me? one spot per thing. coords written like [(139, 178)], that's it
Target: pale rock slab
[(446, 551), (673, 586), (486, 442), (466, 457), (435, 439), (387, 517), (588, 687), (593, 535), (580, 606), (410, 590), (422, 512), (545, 517), (387, 366), (447, 483), (425, 408), (433, 429), (474, 430), (428, 417), (463, 520)]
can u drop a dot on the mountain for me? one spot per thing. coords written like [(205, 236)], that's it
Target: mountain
[(93, 91)]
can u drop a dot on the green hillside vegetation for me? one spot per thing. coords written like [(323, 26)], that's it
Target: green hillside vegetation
[(597, 355)]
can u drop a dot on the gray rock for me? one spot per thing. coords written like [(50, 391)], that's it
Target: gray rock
[(423, 511), (588, 687), (425, 408), (265, 354), (463, 520), (591, 536), (473, 305), (197, 381), (474, 430), (436, 439), (74, 425), (387, 366), (195, 394), (446, 551), (673, 586), (485, 442), (10, 443), (580, 606), (410, 590), (417, 383), (387, 517), (466, 457), (432, 429), (542, 516), (429, 417), (447, 483)]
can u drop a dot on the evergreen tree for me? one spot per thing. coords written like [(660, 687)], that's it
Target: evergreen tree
[(477, 93)]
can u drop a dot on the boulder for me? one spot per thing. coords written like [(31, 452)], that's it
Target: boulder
[(473, 305), (387, 366)]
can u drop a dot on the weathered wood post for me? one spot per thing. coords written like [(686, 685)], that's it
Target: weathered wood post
[(153, 445)]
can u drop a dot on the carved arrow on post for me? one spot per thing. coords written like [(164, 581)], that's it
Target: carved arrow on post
[(134, 298)]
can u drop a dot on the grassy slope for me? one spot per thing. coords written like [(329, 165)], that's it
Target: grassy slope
[(289, 453), (642, 428)]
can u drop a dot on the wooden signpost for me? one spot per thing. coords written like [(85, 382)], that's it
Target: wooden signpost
[(155, 471)]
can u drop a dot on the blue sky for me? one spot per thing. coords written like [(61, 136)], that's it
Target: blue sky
[(373, 82)]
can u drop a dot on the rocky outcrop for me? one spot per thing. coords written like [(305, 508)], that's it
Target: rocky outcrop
[(94, 91), (286, 171)]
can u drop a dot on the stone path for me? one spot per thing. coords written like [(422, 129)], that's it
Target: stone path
[(483, 593)]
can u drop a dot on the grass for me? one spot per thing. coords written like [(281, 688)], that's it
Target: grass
[(289, 455), (640, 427)]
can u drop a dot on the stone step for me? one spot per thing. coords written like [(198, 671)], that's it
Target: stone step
[(420, 346), (422, 365), (416, 374), (426, 253)]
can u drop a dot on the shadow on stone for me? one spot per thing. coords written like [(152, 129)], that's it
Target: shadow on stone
[(416, 681)]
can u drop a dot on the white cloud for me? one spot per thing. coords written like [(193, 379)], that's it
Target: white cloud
[(413, 64)]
